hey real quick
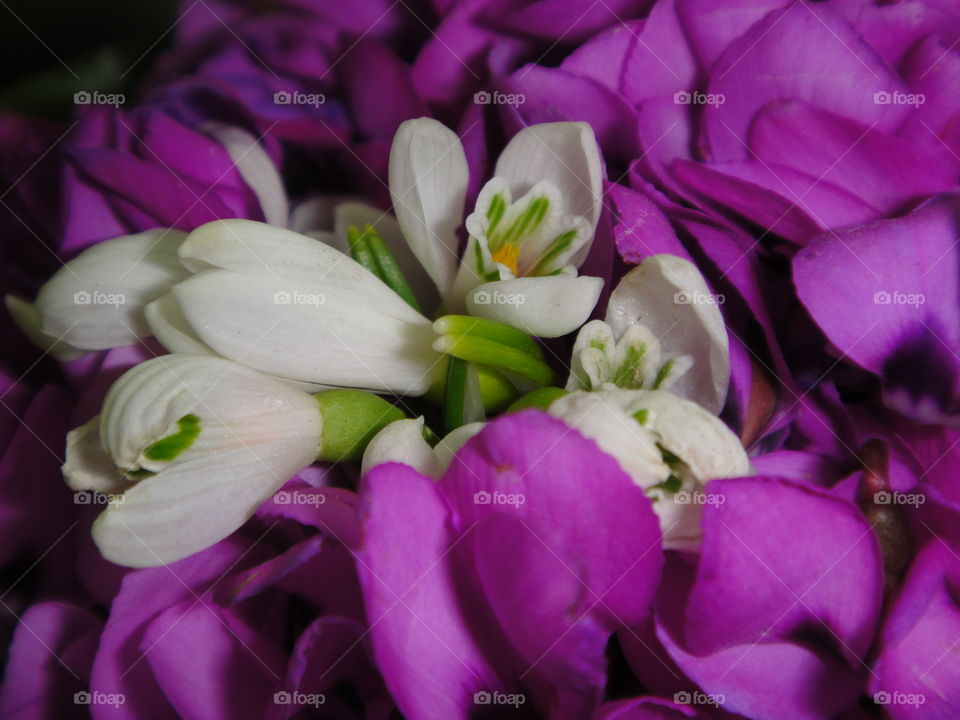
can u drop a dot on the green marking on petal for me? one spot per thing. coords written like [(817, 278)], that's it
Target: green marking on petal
[(641, 416), (671, 485), (629, 374), (557, 247), (662, 373), (527, 221), (498, 206), (169, 447)]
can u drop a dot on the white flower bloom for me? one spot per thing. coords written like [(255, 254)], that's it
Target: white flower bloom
[(663, 330), (194, 444), (403, 441), (96, 300), (532, 226), (295, 308), (669, 446)]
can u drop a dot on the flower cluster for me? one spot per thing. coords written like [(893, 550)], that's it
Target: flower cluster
[(478, 359)]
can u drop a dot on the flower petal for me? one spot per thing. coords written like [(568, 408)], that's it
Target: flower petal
[(541, 306), (428, 185), (669, 296), (403, 442)]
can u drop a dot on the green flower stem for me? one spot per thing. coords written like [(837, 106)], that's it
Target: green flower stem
[(350, 419), (496, 390), (539, 399), (369, 249), (487, 352), (488, 330), (462, 403)]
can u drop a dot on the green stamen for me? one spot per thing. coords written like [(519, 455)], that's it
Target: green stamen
[(488, 330), (169, 447)]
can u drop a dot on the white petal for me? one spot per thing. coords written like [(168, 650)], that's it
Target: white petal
[(428, 184), (566, 154), (602, 418), (27, 318), (592, 356), (315, 214), (237, 408), (171, 329), (293, 332), (447, 448), (256, 168), (277, 254), (191, 506), (359, 214), (96, 300), (541, 306), (687, 430), (87, 466), (403, 442), (653, 294)]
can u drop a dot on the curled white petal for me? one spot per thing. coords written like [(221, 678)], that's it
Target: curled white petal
[(428, 183), (96, 300), (448, 447), (403, 442), (541, 306), (668, 295), (87, 465)]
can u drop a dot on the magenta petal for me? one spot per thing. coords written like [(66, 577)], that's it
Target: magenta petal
[(420, 632), (646, 708), (780, 558), (640, 227), (806, 52), (48, 661), (208, 665), (917, 675)]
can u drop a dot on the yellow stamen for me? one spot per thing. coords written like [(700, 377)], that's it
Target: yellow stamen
[(509, 255)]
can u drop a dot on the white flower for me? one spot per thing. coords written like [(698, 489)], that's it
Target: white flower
[(669, 446), (532, 226), (96, 300), (295, 308), (194, 444), (663, 330), (403, 441)]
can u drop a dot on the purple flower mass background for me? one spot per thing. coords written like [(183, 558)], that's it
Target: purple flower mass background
[(804, 156)]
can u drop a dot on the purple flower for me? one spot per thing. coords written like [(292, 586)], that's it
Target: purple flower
[(506, 578)]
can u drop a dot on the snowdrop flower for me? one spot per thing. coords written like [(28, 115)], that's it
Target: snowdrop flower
[(663, 330), (295, 308), (187, 447), (531, 228), (96, 300), (669, 446)]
